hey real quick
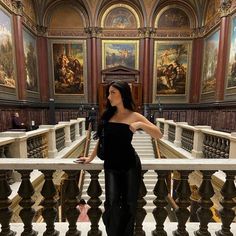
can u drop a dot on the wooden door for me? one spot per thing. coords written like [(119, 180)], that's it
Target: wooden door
[(137, 95), (102, 97)]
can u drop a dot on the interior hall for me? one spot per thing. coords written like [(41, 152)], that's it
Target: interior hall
[(178, 56), (57, 59)]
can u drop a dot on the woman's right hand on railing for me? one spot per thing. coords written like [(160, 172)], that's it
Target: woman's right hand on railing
[(84, 160)]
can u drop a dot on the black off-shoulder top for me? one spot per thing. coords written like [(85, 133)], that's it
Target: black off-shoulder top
[(118, 150)]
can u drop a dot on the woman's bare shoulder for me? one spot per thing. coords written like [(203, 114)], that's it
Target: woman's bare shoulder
[(137, 116)]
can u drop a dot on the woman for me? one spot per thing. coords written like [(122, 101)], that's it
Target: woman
[(122, 165)]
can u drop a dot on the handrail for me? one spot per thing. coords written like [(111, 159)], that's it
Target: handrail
[(85, 153), (96, 164), (88, 139), (156, 148)]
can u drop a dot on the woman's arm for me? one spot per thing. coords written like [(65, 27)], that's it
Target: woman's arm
[(91, 157), (144, 124)]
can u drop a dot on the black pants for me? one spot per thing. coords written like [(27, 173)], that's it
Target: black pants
[(121, 190)]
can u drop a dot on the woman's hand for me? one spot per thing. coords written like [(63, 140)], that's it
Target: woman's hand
[(135, 126), (85, 160)]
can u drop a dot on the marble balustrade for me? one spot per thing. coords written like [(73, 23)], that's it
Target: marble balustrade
[(162, 167)]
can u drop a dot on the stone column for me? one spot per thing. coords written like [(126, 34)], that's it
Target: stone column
[(196, 70), (223, 48), (93, 33), (43, 63), (146, 33), (19, 50)]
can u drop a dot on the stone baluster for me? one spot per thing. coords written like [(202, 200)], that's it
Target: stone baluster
[(210, 147), (35, 148), (222, 148), (194, 203), (6, 154), (218, 147), (94, 212), (5, 211), (25, 191), (227, 148), (183, 201), (29, 148), (141, 212), (205, 146), (49, 212), (227, 214), (71, 202), (214, 143), (160, 212), (204, 213)]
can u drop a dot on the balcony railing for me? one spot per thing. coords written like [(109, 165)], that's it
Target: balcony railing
[(47, 141), (197, 141), (162, 167)]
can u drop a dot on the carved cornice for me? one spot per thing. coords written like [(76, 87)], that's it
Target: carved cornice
[(174, 34), (198, 32), (93, 32), (7, 3), (225, 7), (41, 30), (66, 33), (146, 32), (27, 21), (17, 7), (120, 33)]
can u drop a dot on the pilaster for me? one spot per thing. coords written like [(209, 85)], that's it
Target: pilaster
[(93, 34), (43, 63), (223, 47), (146, 34), (18, 38)]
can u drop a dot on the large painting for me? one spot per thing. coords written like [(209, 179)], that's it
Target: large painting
[(68, 63), (210, 63), (174, 18), (231, 74), (120, 17), (6, 52), (171, 64), (31, 68), (120, 52)]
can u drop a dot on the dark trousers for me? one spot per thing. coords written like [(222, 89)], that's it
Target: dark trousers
[(121, 190)]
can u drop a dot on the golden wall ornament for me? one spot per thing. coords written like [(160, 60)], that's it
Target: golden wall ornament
[(225, 7)]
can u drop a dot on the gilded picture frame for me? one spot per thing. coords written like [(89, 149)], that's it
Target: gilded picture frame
[(120, 52), (7, 60), (69, 65), (171, 68), (231, 66), (211, 49), (31, 61)]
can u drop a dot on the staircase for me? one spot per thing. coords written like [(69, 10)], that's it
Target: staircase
[(143, 145)]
